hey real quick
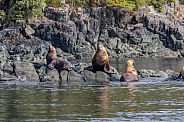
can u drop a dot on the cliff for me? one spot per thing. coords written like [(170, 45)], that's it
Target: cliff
[(75, 34)]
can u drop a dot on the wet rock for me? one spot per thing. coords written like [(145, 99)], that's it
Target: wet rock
[(25, 71), (8, 77), (98, 76), (75, 35), (151, 73), (38, 71), (145, 73), (73, 76), (7, 72)]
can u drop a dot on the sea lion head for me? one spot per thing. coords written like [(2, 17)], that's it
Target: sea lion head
[(130, 67), (52, 49), (51, 57), (67, 65), (100, 47), (130, 62)]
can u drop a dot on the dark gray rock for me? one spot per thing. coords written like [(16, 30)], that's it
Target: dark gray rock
[(7, 72), (28, 31), (146, 31), (75, 35), (25, 71), (144, 73)]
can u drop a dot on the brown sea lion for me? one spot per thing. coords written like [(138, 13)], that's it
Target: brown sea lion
[(130, 72), (100, 62), (51, 57), (54, 62), (181, 75)]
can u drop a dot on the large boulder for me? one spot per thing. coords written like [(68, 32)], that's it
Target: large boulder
[(7, 72), (25, 71)]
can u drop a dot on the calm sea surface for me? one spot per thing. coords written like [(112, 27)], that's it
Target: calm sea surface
[(150, 99)]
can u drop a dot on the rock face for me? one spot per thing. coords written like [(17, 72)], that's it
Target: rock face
[(75, 34), (37, 71), (141, 34)]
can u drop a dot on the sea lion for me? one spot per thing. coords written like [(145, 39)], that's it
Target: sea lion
[(130, 72), (54, 62), (100, 62), (181, 75), (51, 57)]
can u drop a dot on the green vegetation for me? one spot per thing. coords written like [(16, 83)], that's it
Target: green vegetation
[(25, 9), (129, 4), (159, 4), (53, 3), (2, 13)]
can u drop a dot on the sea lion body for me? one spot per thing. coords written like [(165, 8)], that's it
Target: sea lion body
[(100, 59), (63, 65), (130, 72), (128, 77), (130, 67), (100, 62), (51, 57), (54, 62)]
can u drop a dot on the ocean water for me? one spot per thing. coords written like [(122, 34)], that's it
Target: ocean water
[(150, 99)]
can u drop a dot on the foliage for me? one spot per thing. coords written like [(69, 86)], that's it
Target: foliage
[(53, 3), (25, 9), (130, 4), (159, 4), (2, 13), (181, 1), (121, 3)]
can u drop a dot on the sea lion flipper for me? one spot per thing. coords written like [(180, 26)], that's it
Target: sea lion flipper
[(52, 64), (89, 68), (107, 65), (179, 76), (111, 70), (50, 67), (114, 70)]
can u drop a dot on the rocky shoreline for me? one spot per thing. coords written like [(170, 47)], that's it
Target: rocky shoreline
[(38, 71), (75, 34)]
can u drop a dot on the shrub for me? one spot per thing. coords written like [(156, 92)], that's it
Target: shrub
[(53, 3), (25, 9)]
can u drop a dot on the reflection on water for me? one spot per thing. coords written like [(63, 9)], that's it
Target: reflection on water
[(104, 99), (136, 101), (145, 63), (149, 63), (147, 100)]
